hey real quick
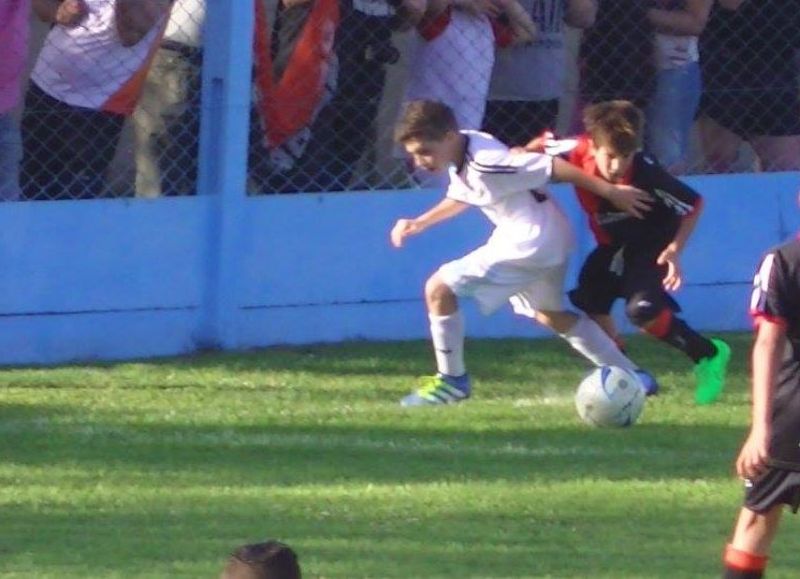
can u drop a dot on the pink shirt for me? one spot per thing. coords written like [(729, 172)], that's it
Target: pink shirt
[(14, 16)]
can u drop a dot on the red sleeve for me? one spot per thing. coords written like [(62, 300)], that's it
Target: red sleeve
[(578, 155), (431, 27)]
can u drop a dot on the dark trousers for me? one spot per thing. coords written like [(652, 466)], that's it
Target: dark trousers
[(517, 122), (66, 149)]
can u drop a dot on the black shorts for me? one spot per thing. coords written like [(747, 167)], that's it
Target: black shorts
[(612, 272), (754, 113), (776, 486)]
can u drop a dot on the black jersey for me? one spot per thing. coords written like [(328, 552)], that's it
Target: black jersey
[(776, 297), (672, 201)]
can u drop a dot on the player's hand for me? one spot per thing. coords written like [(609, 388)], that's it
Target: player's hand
[(631, 200), (478, 7), (671, 258), (402, 229), (70, 13), (537, 144), (754, 454)]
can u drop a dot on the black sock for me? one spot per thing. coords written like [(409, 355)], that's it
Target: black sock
[(681, 336), (731, 573)]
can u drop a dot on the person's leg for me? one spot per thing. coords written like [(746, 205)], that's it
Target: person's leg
[(586, 337), (10, 158), (447, 327), (774, 128), (179, 143), (720, 145), (542, 301), (652, 310), (662, 126), (451, 383), (778, 153), (746, 555), (670, 115), (45, 147), (95, 135)]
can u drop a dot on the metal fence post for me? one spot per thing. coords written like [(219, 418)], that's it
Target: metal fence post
[(227, 64)]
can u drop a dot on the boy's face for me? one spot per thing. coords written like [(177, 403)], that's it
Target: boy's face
[(612, 165), (432, 155)]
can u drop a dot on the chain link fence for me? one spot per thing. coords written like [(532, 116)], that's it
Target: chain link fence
[(113, 103)]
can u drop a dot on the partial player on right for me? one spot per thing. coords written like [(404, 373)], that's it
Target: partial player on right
[(638, 259), (769, 461)]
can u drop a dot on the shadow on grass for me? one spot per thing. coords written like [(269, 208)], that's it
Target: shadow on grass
[(286, 454)]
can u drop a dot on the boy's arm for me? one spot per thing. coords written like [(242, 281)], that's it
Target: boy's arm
[(67, 13), (135, 18), (445, 209), (767, 352), (581, 13), (670, 256), (627, 198), (522, 25)]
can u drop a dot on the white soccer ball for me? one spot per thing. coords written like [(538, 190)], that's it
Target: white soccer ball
[(610, 396)]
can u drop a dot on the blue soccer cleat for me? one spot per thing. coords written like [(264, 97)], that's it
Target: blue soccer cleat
[(649, 383), (439, 389)]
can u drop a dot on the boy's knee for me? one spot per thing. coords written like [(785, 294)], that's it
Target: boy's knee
[(438, 295), (642, 309)]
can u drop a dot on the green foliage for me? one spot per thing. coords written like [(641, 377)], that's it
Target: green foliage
[(159, 469)]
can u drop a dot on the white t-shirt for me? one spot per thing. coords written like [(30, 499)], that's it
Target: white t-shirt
[(535, 72), (455, 68), (509, 190), (186, 22), (87, 65)]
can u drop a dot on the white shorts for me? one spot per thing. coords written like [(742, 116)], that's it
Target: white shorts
[(492, 281)]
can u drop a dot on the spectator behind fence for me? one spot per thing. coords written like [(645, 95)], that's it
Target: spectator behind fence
[(167, 120), (14, 49), (456, 51), (617, 55), (84, 84), (344, 128), (529, 81), (671, 112), (268, 560), (750, 84)]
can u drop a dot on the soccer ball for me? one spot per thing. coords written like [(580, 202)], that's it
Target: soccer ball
[(610, 396)]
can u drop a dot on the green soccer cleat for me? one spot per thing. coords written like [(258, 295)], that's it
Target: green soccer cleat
[(710, 373), (439, 389)]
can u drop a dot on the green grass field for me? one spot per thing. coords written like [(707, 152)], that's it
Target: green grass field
[(158, 469)]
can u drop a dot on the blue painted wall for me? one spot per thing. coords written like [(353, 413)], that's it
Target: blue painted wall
[(115, 279), (118, 279)]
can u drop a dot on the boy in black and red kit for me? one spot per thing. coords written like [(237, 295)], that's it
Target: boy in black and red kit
[(769, 461), (638, 259)]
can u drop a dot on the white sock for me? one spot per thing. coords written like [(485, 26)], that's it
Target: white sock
[(594, 344), (447, 333)]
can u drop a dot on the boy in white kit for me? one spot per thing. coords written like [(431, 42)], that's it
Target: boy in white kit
[(525, 259)]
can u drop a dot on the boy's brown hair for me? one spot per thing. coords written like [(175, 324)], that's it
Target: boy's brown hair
[(425, 121), (268, 560), (618, 125)]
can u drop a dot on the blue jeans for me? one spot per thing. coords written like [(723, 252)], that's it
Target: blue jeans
[(10, 157), (670, 113)]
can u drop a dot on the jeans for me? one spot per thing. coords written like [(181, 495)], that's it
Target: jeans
[(670, 113), (10, 158)]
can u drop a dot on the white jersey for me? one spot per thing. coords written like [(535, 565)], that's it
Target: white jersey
[(87, 65), (455, 68), (509, 190)]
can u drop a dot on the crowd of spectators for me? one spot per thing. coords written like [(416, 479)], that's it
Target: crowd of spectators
[(112, 103)]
